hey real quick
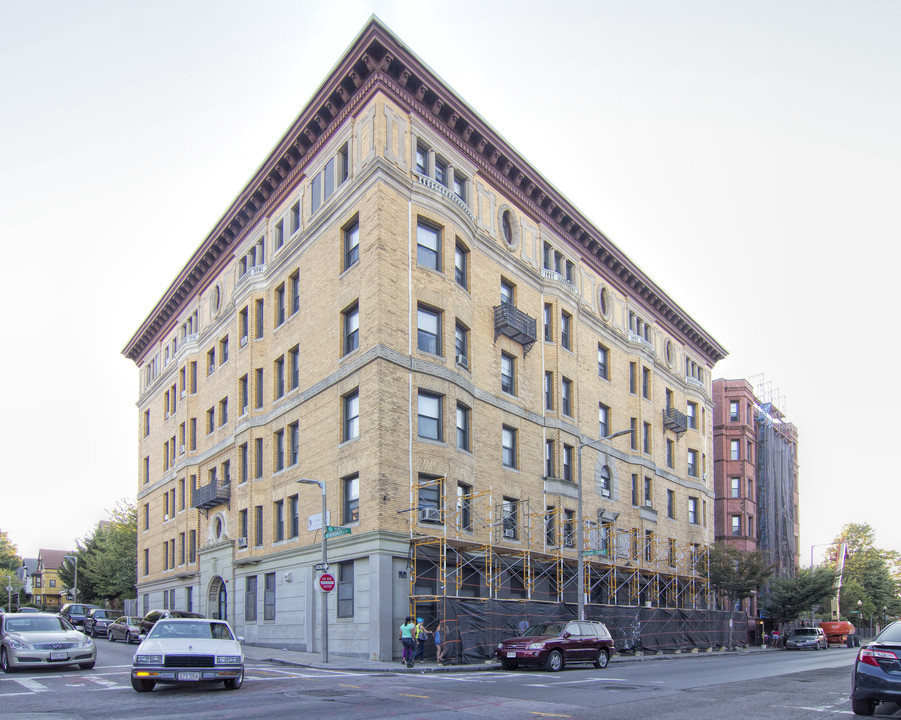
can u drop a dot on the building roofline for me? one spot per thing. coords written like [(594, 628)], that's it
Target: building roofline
[(378, 60)]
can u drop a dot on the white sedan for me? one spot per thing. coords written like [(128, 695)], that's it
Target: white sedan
[(188, 650), (33, 640)]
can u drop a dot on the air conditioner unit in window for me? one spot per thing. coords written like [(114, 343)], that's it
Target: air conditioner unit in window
[(242, 542), (211, 370), (509, 533), (243, 341), (182, 394), (462, 361), (605, 492), (181, 449), (430, 514)]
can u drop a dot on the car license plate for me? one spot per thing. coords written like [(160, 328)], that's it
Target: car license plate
[(188, 676), (59, 656), (511, 653)]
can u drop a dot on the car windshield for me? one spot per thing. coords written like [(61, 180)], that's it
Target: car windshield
[(36, 624), (545, 629), (104, 614), (892, 634), (804, 631), (199, 630)]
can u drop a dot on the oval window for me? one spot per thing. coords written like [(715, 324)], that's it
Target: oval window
[(507, 225), (217, 528)]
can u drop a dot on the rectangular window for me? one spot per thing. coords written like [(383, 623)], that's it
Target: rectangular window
[(548, 390), (279, 443), (250, 598), (693, 463), (351, 416), (192, 545), (351, 499), (280, 305), (548, 322), (459, 186), (146, 423), (603, 362), (568, 462), (646, 438), (258, 319), (243, 467), (429, 498), (461, 266), (671, 504), (463, 427), (736, 524), (428, 330), (258, 447), (692, 414), (508, 292), (258, 388), (508, 378), (733, 411), (294, 367), (508, 446), (633, 438), (633, 378), (635, 490), (510, 520), (293, 443), (670, 453), (210, 420), (351, 244), (422, 160), (441, 171), (258, 525), (603, 420), (549, 458), (550, 525), (294, 516), (242, 524), (461, 344), (428, 246), (351, 321), (646, 383), (278, 517), (295, 292), (243, 326), (566, 330), (243, 393), (735, 450), (648, 492), (693, 511), (295, 218), (279, 377), (569, 528), (464, 506), (269, 597), (566, 397), (345, 607), (223, 413), (429, 415), (736, 487)]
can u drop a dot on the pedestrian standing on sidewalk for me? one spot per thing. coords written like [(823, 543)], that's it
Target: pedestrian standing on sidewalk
[(439, 642), (406, 639), (421, 635)]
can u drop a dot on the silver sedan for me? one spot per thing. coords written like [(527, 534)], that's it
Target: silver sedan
[(32, 640)]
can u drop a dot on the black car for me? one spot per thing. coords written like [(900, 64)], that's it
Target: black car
[(150, 619), (876, 677), (75, 613), (97, 620), (551, 645)]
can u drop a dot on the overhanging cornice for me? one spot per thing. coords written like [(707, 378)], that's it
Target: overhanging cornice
[(377, 60)]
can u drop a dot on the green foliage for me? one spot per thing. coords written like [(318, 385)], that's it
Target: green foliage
[(791, 597), (871, 576), (737, 573), (107, 559), (9, 554)]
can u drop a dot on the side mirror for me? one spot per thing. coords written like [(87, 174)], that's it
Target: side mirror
[(240, 639), (565, 634), (142, 637)]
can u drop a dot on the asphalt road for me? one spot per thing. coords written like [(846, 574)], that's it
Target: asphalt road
[(768, 685)]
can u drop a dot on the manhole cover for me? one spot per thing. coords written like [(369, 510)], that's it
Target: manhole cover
[(325, 693)]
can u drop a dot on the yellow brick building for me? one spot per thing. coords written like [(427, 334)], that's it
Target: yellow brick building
[(399, 305)]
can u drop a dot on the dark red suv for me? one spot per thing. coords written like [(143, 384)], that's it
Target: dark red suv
[(553, 645)]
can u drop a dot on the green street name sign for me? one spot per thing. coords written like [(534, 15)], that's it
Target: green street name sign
[(331, 531)]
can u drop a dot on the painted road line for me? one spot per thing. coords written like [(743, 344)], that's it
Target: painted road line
[(32, 685)]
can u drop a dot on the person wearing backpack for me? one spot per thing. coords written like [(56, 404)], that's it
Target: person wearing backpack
[(407, 640), (420, 634)]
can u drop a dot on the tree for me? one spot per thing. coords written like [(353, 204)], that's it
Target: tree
[(737, 573), (9, 554), (868, 575), (107, 559), (791, 597)]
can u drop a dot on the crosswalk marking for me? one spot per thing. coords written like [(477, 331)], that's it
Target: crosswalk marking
[(32, 685), (100, 681)]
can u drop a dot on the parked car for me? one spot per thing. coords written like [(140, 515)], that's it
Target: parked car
[(75, 613), (188, 650), (97, 621), (124, 628), (32, 640), (806, 638), (555, 644), (27, 609), (151, 618), (876, 677)]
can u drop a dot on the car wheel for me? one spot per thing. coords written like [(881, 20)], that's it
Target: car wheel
[(4, 661), (554, 661), (509, 665), (142, 685), (87, 665), (234, 683), (600, 662), (863, 707)]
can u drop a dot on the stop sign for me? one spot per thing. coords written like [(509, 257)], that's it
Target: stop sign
[(327, 582)]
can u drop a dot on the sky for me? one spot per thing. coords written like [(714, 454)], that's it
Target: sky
[(745, 154)]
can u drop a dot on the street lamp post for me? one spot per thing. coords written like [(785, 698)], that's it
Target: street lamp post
[(323, 621), (816, 546), (75, 582), (580, 544)]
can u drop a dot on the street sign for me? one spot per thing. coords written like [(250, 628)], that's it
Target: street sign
[(327, 582), (320, 567), (335, 531)]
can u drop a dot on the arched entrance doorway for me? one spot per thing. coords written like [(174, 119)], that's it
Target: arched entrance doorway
[(217, 599)]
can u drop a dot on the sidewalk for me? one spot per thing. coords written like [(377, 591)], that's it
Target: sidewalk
[(342, 663)]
